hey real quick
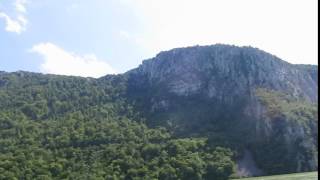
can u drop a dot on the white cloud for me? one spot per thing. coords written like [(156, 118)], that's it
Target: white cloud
[(286, 28), (59, 61), (20, 6), (17, 25)]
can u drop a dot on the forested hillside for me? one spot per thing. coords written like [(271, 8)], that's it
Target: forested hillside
[(56, 127), (188, 113)]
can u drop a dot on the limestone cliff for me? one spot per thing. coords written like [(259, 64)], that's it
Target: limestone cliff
[(213, 90)]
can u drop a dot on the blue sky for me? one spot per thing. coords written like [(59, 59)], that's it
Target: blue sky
[(98, 37)]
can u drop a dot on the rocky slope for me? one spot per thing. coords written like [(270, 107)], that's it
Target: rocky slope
[(214, 71), (224, 91)]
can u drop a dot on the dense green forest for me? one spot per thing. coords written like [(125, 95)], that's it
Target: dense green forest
[(64, 127), (59, 127)]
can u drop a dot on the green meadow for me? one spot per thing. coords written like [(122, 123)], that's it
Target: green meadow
[(295, 176)]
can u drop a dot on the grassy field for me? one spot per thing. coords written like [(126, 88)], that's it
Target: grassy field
[(296, 176)]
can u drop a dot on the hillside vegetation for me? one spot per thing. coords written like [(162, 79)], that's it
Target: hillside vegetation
[(188, 113), (54, 127)]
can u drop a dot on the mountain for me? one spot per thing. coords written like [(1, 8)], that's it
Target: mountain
[(201, 112), (241, 95), (209, 70)]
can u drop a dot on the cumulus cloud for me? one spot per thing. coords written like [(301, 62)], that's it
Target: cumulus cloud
[(59, 61), (18, 24)]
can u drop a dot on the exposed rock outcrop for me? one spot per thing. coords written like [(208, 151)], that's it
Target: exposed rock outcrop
[(209, 89)]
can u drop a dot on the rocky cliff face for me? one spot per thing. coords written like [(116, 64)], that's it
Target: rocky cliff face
[(212, 89), (215, 71)]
